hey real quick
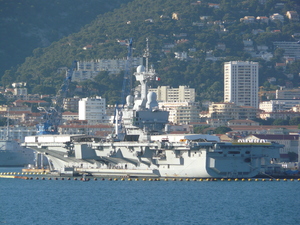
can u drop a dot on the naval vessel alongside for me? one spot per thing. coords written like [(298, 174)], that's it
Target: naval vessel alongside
[(14, 155), (142, 147)]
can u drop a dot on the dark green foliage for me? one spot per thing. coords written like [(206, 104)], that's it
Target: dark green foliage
[(268, 121), (294, 121), (3, 121), (200, 129), (222, 130), (28, 24), (40, 69), (293, 157), (280, 122), (2, 100)]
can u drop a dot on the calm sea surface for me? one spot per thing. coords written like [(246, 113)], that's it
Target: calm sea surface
[(148, 202)]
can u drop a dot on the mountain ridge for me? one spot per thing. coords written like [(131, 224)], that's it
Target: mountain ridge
[(130, 21)]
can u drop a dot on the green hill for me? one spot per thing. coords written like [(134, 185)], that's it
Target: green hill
[(197, 28), (29, 24)]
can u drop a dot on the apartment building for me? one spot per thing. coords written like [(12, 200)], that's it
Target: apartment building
[(71, 104), (241, 83), (89, 69), (225, 111), (277, 105), (291, 48), (92, 109), (288, 93), (182, 112), (169, 94)]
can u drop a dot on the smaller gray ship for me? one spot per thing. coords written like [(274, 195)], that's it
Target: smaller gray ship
[(14, 155)]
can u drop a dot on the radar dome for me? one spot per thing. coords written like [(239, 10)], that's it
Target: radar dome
[(151, 100), (129, 100), (151, 96), (140, 69)]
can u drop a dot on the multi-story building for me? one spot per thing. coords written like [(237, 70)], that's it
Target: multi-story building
[(232, 123), (292, 15), (182, 112), (71, 104), (284, 115), (19, 91), (180, 94), (277, 16), (224, 112), (277, 105), (89, 69), (92, 109), (66, 116), (288, 93), (241, 83), (291, 48)]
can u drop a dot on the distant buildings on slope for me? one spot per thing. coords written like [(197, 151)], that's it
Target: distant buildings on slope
[(180, 102), (87, 70)]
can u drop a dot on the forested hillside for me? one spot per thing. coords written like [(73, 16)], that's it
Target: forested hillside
[(197, 28), (28, 24)]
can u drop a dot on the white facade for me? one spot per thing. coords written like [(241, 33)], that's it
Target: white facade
[(89, 69), (278, 105), (230, 111), (180, 94), (182, 112), (69, 116), (92, 109), (241, 83)]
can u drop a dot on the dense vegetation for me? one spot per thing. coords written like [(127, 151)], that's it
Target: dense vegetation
[(29, 24), (129, 21)]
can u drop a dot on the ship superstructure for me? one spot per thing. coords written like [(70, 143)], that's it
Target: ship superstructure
[(142, 146)]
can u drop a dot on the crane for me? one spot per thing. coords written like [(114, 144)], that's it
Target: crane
[(127, 79), (52, 115), (126, 88)]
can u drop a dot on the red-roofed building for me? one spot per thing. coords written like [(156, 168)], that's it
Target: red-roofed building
[(20, 102), (231, 123)]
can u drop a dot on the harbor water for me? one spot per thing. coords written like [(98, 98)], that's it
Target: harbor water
[(72, 202)]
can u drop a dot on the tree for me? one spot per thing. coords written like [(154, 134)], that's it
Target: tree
[(200, 129), (7, 78), (293, 157), (280, 122), (294, 121), (222, 130), (3, 100)]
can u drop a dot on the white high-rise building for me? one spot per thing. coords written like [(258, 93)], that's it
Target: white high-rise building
[(92, 109), (241, 83)]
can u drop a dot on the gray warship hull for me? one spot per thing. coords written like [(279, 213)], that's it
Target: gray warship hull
[(165, 156)]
